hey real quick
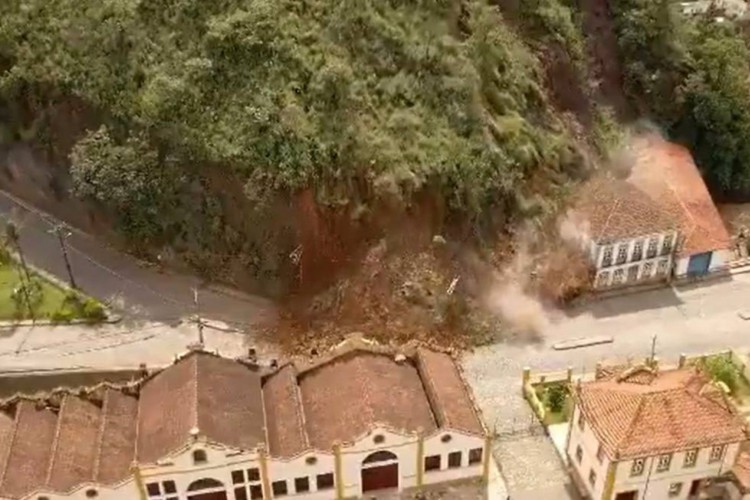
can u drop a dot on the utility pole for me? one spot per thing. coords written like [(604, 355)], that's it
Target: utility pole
[(11, 236), (653, 349), (198, 316), (62, 232)]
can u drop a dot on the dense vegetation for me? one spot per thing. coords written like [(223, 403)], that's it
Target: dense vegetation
[(692, 75), (187, 111)]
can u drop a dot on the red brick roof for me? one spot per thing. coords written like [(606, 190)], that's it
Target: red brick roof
[(637, 412), (65, 438), (664, 190)]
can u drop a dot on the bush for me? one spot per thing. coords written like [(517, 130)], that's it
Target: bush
[(93, 311), (556, 395), (63, 315), (721, 369)]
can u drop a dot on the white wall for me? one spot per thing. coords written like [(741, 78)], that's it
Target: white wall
[(291, 469), (629, 245), (459, 442), (589, 444), (656, 484)]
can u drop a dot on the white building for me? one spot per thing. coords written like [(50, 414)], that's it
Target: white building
[(359, 420), (657, 222), (640, 434)]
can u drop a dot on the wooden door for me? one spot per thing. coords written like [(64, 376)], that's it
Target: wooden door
[(380, 478)]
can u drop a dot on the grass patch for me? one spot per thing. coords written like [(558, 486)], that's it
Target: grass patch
[(48, 301), (721, 369), (558, 405)]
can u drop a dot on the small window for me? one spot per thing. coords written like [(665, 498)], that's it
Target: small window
[(662, 268), (592, 477), (253, 475), (664, 462), (301, 485), (717, 453), (637, 251), (691, 457), (633, 273), (153, 489), (648, 270), (240, 493), (325, 481), (622, 254), (92, 493), (256, 492), (579, 454), (454, 459), (607, 256), (618, 277), (279, 488), (475, 456), (169, 487), (42, 498), (675, 489), (446, 438), (432, 463), (602, 279), (653, 247), (600, 454), (378, 439), (311, 460), (581, 420), (199, 457), (637, 468), (666, 247), (238, 477)]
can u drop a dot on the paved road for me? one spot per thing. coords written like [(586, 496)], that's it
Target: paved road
[(691, 320), (110, 275)]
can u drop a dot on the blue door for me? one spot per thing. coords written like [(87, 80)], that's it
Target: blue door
[(699, 264)]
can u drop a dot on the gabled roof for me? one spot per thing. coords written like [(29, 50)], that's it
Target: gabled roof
[(615, 209), (63, 439), (638, 412)]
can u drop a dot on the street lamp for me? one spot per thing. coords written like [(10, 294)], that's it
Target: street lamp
[(62, 232)]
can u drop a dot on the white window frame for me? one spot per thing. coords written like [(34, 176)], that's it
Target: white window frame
[(637, 467), (652, 249), (618, 276), (602, 279), (246, 483), (674, 490), (664, 463), (622, 254), (637, 254), (635, 275), (662, 267), (607, 256), (667, 244), (648, 270), (717, 453), (691, 458), (163, 495)]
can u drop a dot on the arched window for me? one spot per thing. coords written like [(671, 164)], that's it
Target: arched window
[(379, 456), (205, 484), (92, 493), (199, 457)]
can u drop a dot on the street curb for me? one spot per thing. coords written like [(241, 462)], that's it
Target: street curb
[(578, 343), (110, 320)]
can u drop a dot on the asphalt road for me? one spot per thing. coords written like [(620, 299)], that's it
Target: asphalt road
[(132, 287)]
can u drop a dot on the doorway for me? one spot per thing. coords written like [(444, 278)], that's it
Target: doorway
[(380, 471), (206, 489), (627, 495)]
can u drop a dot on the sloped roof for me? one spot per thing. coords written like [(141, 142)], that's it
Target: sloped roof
[(637, 412), (615, 209), (59, 440), (667, 172)]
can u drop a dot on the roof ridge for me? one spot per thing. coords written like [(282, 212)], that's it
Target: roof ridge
[(439, 415), (4, 468), (56, 440), (300, 408), (100, 439)]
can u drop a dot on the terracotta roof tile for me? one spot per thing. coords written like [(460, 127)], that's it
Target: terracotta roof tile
[(117, 440), (76, 444), (345, 397), (668, 173), (614, 209), (229, 402), (30, 451), (7, 430), (166, 411), (448, 393), (286, 426), (633, 415)]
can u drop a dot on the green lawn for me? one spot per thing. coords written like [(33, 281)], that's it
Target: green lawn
[(554, 417), (53, 303)]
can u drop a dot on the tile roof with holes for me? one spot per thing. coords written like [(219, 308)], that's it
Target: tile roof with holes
[(62, 439), (662, 191), (639, 412)]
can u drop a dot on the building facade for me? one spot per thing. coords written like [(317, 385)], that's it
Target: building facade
[(637, 434), (210, 428)]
